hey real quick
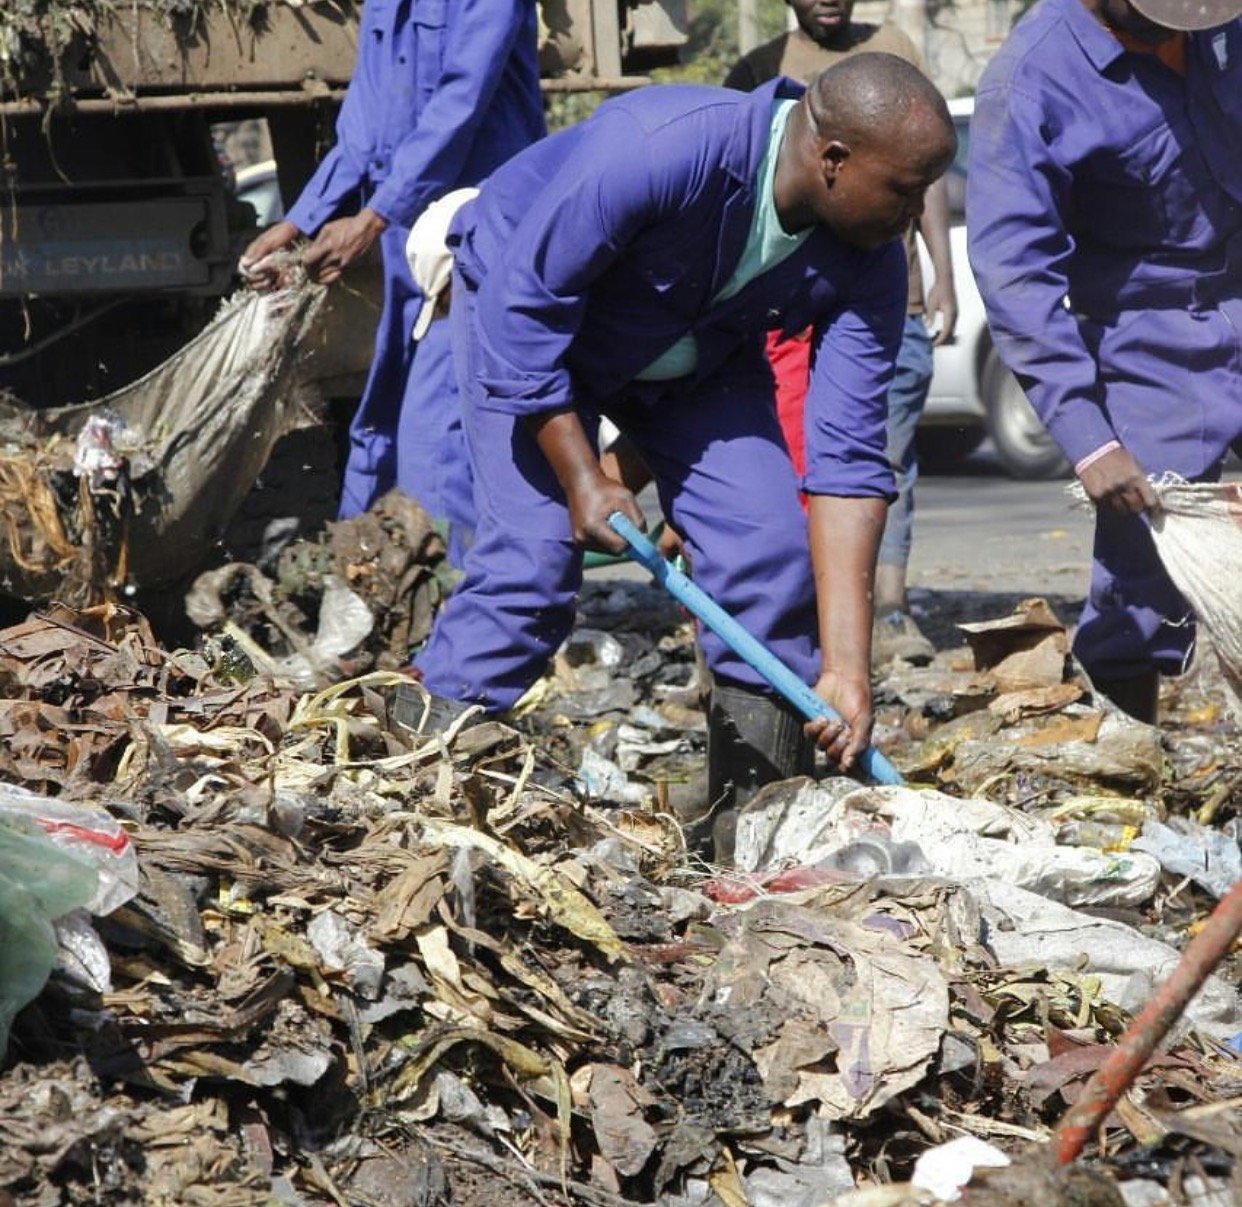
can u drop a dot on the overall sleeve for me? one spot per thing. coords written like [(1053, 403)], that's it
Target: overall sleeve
[(342, 171), (427, 163), (847, 399), (531, 303), (1017, 199)]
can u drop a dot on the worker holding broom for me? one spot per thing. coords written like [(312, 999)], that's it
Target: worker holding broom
[(630, 267), (1104, 211)]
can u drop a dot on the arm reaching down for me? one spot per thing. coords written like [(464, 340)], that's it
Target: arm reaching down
[(590, 494), (845, 536)]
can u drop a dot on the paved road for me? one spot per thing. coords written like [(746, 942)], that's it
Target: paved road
[(979, 530)]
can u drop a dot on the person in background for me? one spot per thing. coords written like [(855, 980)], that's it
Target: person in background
[(824, 35), (442, 94), (1104, 220), (629, 267)]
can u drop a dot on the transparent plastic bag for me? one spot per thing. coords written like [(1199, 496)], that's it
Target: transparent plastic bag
[(87, 831), (39, 882)]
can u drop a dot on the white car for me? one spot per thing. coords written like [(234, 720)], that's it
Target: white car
[(973, 395)]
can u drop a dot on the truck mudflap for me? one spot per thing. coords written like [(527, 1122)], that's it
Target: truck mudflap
[(134, 490)]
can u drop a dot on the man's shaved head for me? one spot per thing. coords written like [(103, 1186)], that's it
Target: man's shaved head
[(869, 138), (870, 95)]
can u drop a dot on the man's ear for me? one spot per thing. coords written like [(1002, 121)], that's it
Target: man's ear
[(832, 157)]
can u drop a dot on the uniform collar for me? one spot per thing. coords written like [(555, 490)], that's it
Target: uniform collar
[(754, 124), (741, 159), (1100, 47)]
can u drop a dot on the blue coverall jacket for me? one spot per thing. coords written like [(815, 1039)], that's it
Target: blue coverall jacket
[(595, 251), (444, 91), (1104, 214), (583, 260)]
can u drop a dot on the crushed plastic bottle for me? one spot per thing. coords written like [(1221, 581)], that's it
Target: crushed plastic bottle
[(1110, 837), (877, 855)]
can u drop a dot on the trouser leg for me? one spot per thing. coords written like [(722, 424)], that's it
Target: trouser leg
[(728, 486), (505, 619), (1173, 394), (514, 606), (906, 399), (1134, 620), (433, 462), (790, 360), (895, 633), (371, 464)]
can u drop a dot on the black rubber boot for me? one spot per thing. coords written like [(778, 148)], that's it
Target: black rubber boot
[(415, 710), (1137, 696), (753, 739)]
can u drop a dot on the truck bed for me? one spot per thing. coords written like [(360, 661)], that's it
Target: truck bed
[(142, 54), (126, 51)]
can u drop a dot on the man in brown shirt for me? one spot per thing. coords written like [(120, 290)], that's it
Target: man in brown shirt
[(825, 34)]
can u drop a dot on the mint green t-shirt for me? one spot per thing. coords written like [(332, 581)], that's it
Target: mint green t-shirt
[(767, 244)]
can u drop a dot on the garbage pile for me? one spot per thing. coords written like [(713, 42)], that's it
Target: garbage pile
[(357, 966), (357, 597), (130, 491)]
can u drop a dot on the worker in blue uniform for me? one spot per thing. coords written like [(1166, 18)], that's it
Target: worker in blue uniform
[(442, 94), (630, 267), (1104, 211)]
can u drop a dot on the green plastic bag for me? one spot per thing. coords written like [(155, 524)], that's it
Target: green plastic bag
[(39, 882)]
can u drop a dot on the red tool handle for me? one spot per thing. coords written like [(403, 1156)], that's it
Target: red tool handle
[(1114, 1076)]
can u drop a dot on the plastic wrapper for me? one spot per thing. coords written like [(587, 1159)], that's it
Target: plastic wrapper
[(39, 882), (90, 833)]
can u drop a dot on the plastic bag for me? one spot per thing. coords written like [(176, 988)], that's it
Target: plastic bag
[(1211, 858), (39, 883), (834, 824), (90, 833), (1199, 540), (191, 437)]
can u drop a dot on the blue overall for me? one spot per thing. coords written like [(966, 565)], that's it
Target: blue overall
[(1104, 211), (444, 91), (585, 259)]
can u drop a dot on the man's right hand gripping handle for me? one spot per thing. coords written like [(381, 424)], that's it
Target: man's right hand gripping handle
[(591, 496)]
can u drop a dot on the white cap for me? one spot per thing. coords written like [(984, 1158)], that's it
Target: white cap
[(431, 262)]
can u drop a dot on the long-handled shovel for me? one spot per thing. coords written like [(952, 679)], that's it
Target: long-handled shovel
[(746, 646)]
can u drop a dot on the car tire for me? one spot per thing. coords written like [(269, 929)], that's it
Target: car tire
[(1023, 446), (945, 447)]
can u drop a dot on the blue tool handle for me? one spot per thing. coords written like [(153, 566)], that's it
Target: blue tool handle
[(806, 701)]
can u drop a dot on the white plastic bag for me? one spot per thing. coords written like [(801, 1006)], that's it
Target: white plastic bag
[(88, 832), (1198, 534), (806, 823)]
